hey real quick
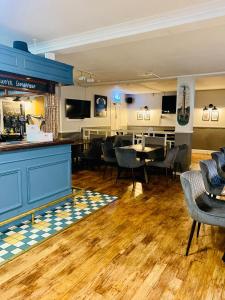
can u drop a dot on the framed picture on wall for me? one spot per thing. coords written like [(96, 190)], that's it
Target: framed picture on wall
[(140, 115), (205, 115), (147, 115), (215, 115), (100, 106)]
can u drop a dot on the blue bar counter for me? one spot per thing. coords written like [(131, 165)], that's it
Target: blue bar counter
[(32, 175)]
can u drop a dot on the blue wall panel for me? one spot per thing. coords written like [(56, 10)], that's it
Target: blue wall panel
[(54, 176), (27, 64), (33, 177), (10, 191)]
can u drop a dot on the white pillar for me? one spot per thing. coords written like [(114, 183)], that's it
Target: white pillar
[(184, 117)]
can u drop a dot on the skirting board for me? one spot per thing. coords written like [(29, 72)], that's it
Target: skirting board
[(200, 151)]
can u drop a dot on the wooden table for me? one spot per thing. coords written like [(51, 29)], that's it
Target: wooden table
[(140, 149)]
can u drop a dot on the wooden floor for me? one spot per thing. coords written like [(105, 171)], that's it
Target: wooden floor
[(132, 249)]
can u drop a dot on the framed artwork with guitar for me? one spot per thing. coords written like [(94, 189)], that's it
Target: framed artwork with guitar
[(183, 106)]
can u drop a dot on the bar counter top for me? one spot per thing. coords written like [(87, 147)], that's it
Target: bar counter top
[(23, 145)]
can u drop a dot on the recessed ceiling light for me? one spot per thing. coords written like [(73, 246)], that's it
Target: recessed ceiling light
[(146, 74)]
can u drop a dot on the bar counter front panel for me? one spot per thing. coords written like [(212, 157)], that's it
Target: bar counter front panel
[(30, 178)]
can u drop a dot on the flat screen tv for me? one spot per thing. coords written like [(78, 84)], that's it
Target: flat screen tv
[(78, 109), (169, 104)]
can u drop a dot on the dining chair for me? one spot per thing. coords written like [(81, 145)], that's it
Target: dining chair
[(154, 140), (180, 163), (214, 184), (222, 149), (202, 209), (220, 163), (92, 156), (151, 141), (123, 140), (109, 155), (127, 159), (168, 162)]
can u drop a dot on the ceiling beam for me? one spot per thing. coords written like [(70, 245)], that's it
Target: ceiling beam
[(193, 14)]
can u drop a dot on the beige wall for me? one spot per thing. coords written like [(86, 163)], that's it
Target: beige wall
[(154, 102), (216, 97), (127, 113), (116, 116)]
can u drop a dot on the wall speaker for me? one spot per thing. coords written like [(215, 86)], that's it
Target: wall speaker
[(129, 100)]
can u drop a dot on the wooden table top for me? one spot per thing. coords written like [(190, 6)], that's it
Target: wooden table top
[(139, 148)]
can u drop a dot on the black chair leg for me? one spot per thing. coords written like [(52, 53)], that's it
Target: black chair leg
[(223, 258), (111, 170), (118, 173), (105, 169), (198, 229), (190, 237), (145, 175), (133, 177)]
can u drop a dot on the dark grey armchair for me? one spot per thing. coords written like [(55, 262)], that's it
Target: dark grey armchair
[(168, 162), (181, 161), (158, 154), (222, 149), (109, 155), (126, 159), (201, 207), (123, 140), (220, 163), (214, 184)]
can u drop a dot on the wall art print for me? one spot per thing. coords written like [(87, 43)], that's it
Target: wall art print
[(205, 115), (215, 115), (140, 115), (100, 106)]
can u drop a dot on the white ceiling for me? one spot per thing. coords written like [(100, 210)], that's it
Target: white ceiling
[(120, 40), (50, 19), (172, 54)]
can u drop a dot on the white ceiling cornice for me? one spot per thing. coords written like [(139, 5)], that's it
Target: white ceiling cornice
[(197, 13)]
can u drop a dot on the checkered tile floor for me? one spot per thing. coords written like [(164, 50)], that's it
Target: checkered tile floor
[(17, 239)]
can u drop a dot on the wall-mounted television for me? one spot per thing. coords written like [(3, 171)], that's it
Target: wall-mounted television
[(78, 109), (169, 104)]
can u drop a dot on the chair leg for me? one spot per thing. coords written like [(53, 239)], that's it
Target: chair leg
[(223, 258), (118, 173), (166, 172), (111, 171), (198, 229), (190, 237), (145, 175), (133, 177), (105, 169)]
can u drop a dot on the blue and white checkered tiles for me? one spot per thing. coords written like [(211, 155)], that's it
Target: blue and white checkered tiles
[(17, 239)]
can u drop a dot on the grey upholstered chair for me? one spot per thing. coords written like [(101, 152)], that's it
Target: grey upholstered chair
[(222, 149), (214, 184), (201, 207), (109, 155), (123, 140), (181, 161), (158, 154), (126, 159), (168, 162), (151, 140), (220, 163), (92, 156)]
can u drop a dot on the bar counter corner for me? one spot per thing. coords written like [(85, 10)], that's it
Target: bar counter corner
[(33, 175)]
